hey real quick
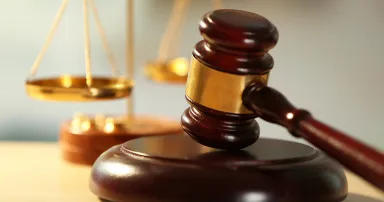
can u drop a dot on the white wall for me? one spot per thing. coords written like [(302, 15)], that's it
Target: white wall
[(328, 60)]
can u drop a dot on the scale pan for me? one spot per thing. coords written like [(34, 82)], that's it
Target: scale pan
[(171, 71), (74, 88)]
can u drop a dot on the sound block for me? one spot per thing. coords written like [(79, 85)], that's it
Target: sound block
[(175, 168)]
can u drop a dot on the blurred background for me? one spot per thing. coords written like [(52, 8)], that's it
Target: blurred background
[(328, 60)]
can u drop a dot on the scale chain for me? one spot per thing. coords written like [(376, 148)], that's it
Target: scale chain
[(48, 41), (87, 44), (173, 31), (103, 37), (177, 15)]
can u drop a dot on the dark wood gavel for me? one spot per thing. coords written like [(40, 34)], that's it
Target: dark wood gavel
[(227, 90)]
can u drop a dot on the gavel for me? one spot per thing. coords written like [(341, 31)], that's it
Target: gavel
[(227, 89), (222, 157)]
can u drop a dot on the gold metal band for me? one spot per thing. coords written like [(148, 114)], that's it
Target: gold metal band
[(218, 90)]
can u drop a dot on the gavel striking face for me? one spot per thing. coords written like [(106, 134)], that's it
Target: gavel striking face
[(227, 89)]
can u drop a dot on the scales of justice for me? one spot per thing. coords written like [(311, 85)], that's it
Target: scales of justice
[(221, 155)]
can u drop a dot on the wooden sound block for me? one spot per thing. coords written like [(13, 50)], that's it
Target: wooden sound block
[(84, 147), (176, 168)]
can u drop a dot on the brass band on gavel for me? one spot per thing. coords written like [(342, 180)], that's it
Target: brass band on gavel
[(205, 85)]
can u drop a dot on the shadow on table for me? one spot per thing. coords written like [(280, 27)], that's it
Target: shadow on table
[(359, 198)]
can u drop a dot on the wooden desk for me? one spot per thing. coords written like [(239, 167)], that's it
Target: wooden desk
[(35, 172)]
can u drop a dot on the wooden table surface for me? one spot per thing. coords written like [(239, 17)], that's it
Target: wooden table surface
[(35, 172)]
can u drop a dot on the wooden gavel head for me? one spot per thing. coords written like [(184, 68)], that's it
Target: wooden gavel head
[(232, 56)]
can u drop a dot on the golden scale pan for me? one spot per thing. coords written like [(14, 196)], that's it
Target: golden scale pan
[(166, 69), (75, 88)]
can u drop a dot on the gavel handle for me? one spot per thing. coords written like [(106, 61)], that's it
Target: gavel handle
[(354, 155), (273, 107)]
